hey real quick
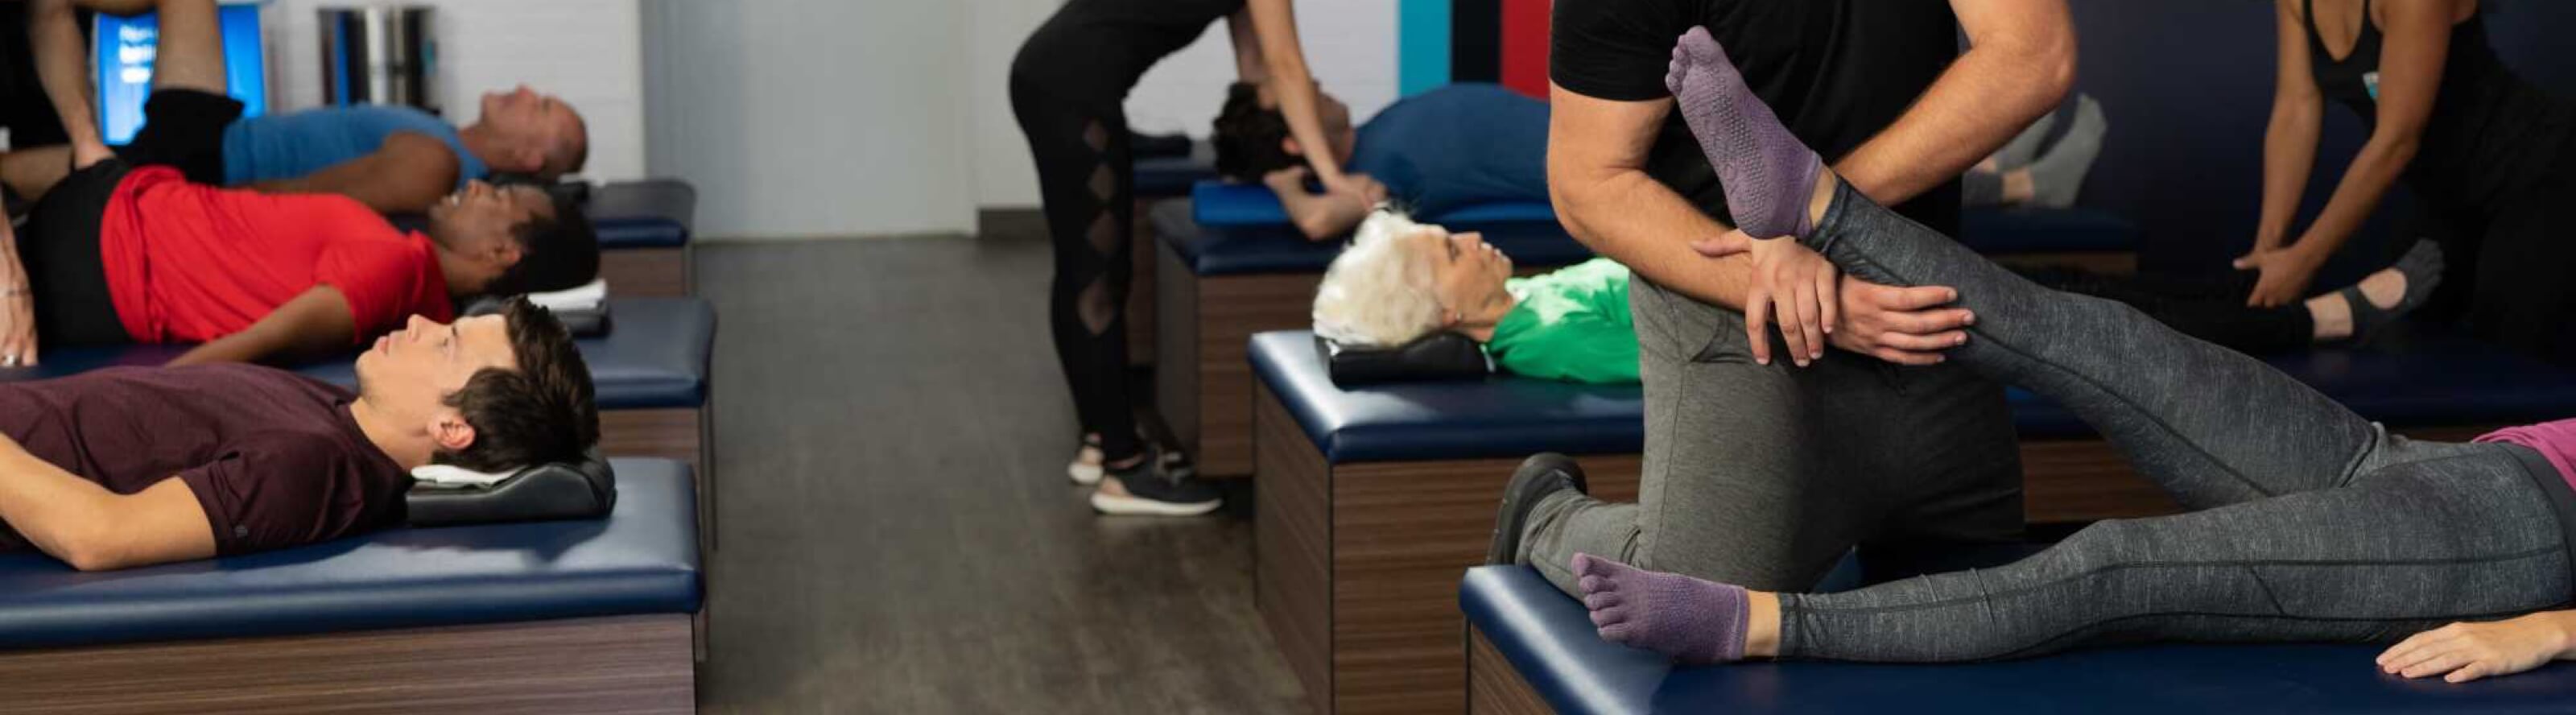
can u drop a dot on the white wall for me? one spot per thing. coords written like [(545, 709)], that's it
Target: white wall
[(589, 52), (813, 118)]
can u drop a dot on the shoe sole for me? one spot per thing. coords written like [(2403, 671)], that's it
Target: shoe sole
[(1534, 479), (1084, 474), (1132, 506)]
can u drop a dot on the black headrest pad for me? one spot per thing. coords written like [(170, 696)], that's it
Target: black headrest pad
[(1439, 356), (546, 492)]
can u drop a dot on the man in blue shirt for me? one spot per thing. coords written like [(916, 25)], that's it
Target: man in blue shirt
[(393, 159)]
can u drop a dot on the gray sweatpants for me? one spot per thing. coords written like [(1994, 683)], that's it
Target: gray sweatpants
[(1766, 475), (2309, 523)]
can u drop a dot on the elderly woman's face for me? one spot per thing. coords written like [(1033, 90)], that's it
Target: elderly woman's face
[(1466, 274)]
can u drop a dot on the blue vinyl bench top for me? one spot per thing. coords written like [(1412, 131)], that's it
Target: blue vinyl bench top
[(641, 559), (1551, 643), (1169, 177), (1217, 203), (2042, 230), (656, 355), (1280, 248), (1499, 417), (653, 213), (2432, 380)]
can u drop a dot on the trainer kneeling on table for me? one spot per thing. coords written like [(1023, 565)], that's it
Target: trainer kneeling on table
[(128, 250), (133, 466)]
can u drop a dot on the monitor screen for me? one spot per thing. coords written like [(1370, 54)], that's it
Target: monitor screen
[(125, 47)]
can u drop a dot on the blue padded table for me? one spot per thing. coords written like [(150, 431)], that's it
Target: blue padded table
[(1370, 500), (1532, 649), (1168, 177), (1216, 285), (644, 229), (545, 616), (1218, 203)]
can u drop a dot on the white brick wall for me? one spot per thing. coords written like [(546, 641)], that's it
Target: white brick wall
[(587, 51)]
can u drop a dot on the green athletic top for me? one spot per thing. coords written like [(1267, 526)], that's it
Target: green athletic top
[(1572, 324)]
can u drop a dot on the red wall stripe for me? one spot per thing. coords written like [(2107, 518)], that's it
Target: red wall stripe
[(1525, 46)]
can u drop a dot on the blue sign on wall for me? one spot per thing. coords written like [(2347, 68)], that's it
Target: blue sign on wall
[(126, 49)]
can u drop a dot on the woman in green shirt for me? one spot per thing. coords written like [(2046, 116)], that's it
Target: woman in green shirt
[(1570, 324)]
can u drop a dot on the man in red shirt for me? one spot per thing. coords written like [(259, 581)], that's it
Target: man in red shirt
[(135, 466), (126, 249)]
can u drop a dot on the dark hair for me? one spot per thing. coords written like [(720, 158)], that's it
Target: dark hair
[(1250, 141), (556, 252), (544, 411)]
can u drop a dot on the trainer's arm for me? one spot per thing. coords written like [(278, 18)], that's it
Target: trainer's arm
[(1274, 29), (317, 323), (1596, 177), (94, 529), (407, 174), (62, 67), (2019, 64)]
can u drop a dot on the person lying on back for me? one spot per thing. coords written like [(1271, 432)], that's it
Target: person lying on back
[(135, 466)]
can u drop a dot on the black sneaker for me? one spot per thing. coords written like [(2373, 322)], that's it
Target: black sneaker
[(1154, 492), (1543, 474)]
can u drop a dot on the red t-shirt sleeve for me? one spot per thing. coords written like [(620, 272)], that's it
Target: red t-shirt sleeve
[(380, 279), (269, 492)]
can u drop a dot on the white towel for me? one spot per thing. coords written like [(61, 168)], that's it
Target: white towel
[(452, 475), (588, 297)]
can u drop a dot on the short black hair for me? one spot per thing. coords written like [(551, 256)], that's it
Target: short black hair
[(1250, 140), (556, 252), (545, 411)]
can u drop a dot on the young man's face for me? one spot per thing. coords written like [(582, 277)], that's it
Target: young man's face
[(413, 370), (479, 223)]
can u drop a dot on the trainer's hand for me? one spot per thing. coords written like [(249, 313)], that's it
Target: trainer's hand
[(1906, 326), (2286, 274), (17, 326), (2462, 652), (1788, 279)]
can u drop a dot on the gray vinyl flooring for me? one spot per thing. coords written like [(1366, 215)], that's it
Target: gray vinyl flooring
[(895, 531)]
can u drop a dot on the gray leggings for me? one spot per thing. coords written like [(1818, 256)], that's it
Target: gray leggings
[(2308, 523)]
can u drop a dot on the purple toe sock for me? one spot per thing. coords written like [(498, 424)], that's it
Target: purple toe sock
[(1769, 175), (1693, 621)]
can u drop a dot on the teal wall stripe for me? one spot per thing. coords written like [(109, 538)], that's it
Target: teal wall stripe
[(1422, 39)]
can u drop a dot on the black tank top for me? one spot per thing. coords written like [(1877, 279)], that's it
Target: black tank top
[(2491, 135)]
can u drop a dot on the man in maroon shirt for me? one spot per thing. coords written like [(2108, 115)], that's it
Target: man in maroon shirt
[(127, 250), (135, 466)]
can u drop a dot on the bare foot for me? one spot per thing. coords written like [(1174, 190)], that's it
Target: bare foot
[(2384, 289)]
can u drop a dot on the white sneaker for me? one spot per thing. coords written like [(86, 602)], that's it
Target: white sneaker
[(1085, 469)]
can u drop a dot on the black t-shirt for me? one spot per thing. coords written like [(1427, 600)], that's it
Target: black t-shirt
[(1836, 71), (273, 457)]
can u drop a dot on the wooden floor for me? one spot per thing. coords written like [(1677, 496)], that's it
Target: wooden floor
[(897, 534)]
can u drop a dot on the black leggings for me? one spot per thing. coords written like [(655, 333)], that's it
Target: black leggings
[(2210, 308), (1066, 87), (2518, 263)]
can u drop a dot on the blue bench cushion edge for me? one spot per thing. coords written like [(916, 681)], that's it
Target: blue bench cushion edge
[(1452, 420), (655, 356), (1218, 203), (1553, 647), (642, 559), (652, 213)]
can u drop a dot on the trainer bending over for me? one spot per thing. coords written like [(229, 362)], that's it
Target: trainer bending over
[(129, 250), (2309, 523), (393, 159)]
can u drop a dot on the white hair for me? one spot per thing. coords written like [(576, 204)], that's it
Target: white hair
[(1377, 294)]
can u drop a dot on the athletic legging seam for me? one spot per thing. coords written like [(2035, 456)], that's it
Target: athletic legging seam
[(2245, 563), (2096, 627), (2139, 409)]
